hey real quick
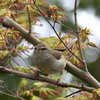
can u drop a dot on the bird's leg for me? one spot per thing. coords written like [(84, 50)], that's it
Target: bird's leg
[(58, 80), (37, 72)]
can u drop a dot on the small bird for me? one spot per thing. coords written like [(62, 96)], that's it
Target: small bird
[(47, 60)]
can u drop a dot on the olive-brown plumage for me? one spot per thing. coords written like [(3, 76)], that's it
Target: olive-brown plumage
[(47, 60)]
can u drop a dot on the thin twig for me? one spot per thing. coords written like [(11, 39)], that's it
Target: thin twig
[(8, 94), (78, 36), (26, 62), (73, 93), (56, 33), (34, 1), (11, 93), (54, 22), (29, 19), (26, 54), (8, 89), (15, 61), (21, 58), (67, 27), (11, 65)]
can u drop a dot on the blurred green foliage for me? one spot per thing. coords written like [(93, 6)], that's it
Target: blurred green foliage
[(11, 82), (95, 4), (94, 69)]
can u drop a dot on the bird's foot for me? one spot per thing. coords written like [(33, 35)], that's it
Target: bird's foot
[(58, 81), (37, 73)]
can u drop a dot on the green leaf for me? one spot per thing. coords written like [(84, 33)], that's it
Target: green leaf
[(27, 93), (96, 92), (23, 83), (48, 91), (35, 98), (92, 44), (39, 84)]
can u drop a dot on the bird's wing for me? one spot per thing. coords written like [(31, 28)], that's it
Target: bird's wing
[(55, 53)]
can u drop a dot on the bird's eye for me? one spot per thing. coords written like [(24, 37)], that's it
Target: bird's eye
[(43, 48)]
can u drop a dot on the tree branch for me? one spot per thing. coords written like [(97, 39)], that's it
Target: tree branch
[(84, 76), (23, 32), (78, 37), (43, 79)]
